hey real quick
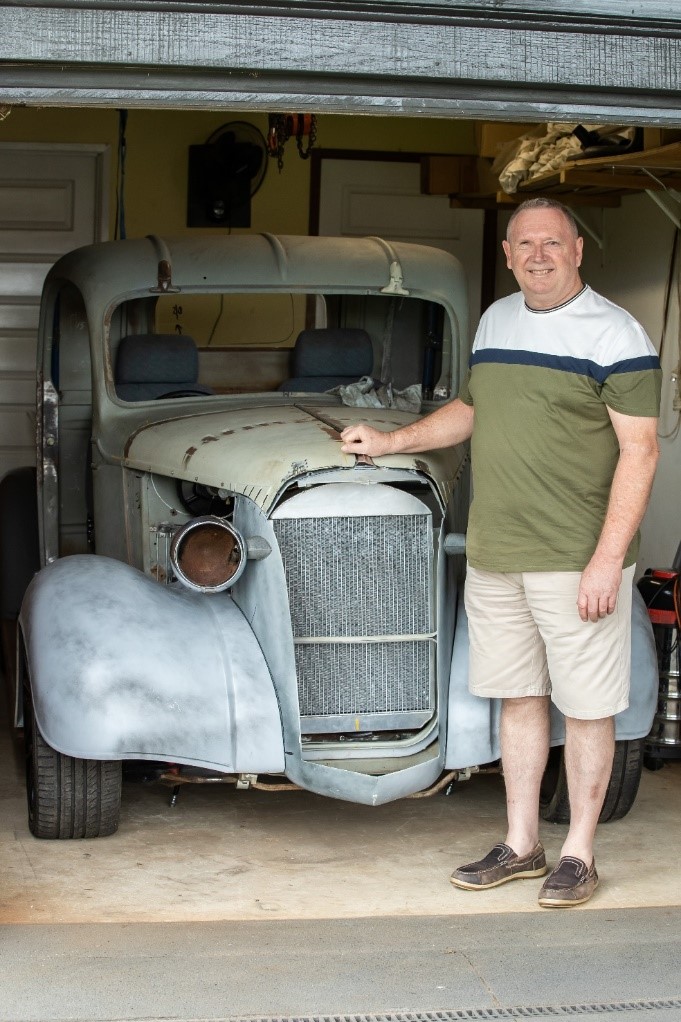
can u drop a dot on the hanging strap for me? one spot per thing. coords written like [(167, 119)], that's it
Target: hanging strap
[(386, 364)]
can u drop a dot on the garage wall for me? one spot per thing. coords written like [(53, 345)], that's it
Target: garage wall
[(156, 196), (632, 270), (156, 165)]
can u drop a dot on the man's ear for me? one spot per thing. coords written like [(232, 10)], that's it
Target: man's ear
[(580, 250), (507, 252)]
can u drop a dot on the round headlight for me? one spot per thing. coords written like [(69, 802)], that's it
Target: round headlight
[(208, 554)]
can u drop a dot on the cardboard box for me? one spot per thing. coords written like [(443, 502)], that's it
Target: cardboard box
[(492, 136), (447, 175), (653, 138), (457, 175), (488, 182)]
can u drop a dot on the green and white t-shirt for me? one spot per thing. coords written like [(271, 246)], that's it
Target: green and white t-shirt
[(543, 447)]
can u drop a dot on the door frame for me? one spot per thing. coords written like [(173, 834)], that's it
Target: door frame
[(488, 268)]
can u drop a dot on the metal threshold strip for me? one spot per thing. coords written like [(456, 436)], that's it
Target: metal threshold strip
[(621, 1008)]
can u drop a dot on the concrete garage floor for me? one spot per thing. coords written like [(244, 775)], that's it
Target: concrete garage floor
[(252, 903), (249, 855)]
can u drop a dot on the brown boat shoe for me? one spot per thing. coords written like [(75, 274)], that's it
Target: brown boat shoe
[(572, 882), (498, 867)]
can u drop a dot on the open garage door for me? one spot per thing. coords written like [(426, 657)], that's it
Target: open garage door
[(524, 60)]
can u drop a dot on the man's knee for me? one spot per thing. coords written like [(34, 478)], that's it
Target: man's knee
[(525, 705)]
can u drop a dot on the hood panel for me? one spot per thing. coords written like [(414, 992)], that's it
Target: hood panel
[(256, 451)]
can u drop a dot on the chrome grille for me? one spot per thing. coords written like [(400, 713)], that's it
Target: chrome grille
[(367, 677), (357, 576), (348, 579)]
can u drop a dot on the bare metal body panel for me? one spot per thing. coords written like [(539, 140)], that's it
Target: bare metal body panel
[(258, 451), (123, 668)]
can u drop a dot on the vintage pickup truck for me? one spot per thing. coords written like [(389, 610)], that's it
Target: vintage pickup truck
[(222, 591)]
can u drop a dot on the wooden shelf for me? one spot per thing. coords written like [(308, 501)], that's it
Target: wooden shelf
[(649, 170), (601, 181)]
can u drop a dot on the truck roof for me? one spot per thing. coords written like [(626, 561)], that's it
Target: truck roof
[(113, 269)]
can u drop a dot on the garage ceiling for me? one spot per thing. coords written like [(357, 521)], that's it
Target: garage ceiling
[(531, 60)]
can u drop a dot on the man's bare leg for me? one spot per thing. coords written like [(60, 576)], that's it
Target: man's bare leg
[(589, 751), (524, 752)]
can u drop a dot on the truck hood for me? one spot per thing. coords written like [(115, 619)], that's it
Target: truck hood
[(257, 451)]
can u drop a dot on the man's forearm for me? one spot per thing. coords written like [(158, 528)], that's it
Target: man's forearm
[(445, 427), (629, 495), (449, 425)]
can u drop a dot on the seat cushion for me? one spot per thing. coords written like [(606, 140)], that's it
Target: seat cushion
[(151, 365), (334, 351), (326, 358)]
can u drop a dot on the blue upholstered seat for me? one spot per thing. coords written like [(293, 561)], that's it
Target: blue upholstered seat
[(151, 365), (326, 358)]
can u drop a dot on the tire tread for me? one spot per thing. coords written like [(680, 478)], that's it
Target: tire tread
[(70, 797), (621, 792)]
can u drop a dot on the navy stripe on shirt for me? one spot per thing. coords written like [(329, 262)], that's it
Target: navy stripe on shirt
[(564, 364)]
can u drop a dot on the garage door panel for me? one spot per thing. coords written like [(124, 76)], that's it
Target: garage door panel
[(18, 389), (18, 422), (51, 201), (17, 354), (23, 279), (16, 316), (13, 457)]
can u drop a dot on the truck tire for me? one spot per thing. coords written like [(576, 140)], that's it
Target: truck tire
[(68, 797), (554, 804)]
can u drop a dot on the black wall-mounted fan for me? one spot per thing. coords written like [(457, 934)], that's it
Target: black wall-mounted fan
[(224, 174)]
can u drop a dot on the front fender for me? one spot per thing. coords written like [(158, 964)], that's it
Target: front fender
[(122, 667)]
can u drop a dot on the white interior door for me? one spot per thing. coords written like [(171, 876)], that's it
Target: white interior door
[(52, 199), (376, 197)]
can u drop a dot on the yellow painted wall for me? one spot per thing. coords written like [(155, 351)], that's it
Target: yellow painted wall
[(158, 140)]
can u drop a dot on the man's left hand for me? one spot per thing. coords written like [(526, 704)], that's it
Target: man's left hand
[(598, 589)]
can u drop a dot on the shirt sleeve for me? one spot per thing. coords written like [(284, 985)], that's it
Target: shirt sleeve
[(464, 391), (634, 392), (633, 385)]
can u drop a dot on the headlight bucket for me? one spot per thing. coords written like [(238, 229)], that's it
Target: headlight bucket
[(208, 554)]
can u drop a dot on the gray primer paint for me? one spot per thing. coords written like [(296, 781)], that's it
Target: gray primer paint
[(122, 667)]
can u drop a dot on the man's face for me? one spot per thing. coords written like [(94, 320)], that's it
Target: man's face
[(545, 256)]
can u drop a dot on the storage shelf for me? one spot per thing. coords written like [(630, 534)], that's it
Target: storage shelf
[(601, 181), (649, 170)]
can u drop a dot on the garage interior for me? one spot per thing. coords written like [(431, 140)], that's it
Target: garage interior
[(253, 903)]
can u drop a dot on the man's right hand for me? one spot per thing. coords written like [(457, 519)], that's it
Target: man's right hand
[(361, 439), (449, 425)]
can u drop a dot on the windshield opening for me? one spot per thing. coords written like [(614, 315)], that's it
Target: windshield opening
[(190, 344)]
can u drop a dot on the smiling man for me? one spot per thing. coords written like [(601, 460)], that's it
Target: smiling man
[(544, 252), (561, 402)]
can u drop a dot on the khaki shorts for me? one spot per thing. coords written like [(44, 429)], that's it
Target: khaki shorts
[(527, 639)]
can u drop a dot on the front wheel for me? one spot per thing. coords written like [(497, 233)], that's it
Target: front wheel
[(554, 803), (68, 797)]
